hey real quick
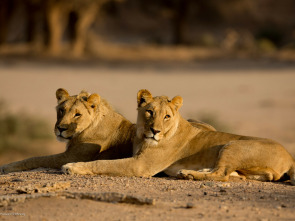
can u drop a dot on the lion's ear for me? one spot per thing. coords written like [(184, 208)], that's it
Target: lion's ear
[(177, 101), (61, 95), (144, 97), (93, 100), (84, 95)]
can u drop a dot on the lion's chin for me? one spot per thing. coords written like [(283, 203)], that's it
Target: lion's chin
[(63, 139), (151, 141)]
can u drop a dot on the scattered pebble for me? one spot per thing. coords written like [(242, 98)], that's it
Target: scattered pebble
[(223, 184), (210, 184), (167, 192), (17, 180), (190, 205), (222, 190), (278, 207)]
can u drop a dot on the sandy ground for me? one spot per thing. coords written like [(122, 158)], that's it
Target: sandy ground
[(250, 99), (171, 199)]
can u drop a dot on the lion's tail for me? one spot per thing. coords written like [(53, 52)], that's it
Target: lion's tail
[(291, 173)]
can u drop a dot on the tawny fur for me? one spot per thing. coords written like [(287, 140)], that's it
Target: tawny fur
[(92, 131), (166, 142)]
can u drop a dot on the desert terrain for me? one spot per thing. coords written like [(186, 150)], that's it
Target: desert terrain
[(249, 98)]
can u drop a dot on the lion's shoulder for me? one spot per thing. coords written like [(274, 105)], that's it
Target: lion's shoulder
[(201, 125)]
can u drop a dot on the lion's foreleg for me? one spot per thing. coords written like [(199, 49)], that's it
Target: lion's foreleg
[(148, 163), (121, 167), (52, 161)]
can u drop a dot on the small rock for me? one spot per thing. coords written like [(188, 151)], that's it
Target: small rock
[(48, 187), (203, 186), (210, 184), (17, 180), (201, 215), (223, 185), (224, 208), (190, 205)]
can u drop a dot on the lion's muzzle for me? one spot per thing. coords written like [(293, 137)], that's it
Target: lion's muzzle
[(153, 134), (63, 132)]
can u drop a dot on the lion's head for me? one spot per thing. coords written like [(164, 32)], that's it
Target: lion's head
[(74, 113), (157, 117)]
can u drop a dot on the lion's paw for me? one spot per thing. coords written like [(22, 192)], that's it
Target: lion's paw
[(75, 168), (4, 169), (185, 174)]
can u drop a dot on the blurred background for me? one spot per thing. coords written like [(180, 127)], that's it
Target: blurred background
[(233, 61), (90, 27)]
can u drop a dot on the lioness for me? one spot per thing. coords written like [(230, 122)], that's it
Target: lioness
[(166, 142), (92, 131)]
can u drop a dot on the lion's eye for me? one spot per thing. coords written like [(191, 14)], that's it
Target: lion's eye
[(167, 117), (149, 112), (78, 115), (61, 111)]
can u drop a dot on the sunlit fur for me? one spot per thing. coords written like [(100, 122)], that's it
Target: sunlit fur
[(75, 114), (160, 115), (91, 129), (166, 142)]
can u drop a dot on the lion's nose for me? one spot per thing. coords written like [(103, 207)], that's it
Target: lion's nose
[(60, 129), (155, 131)]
